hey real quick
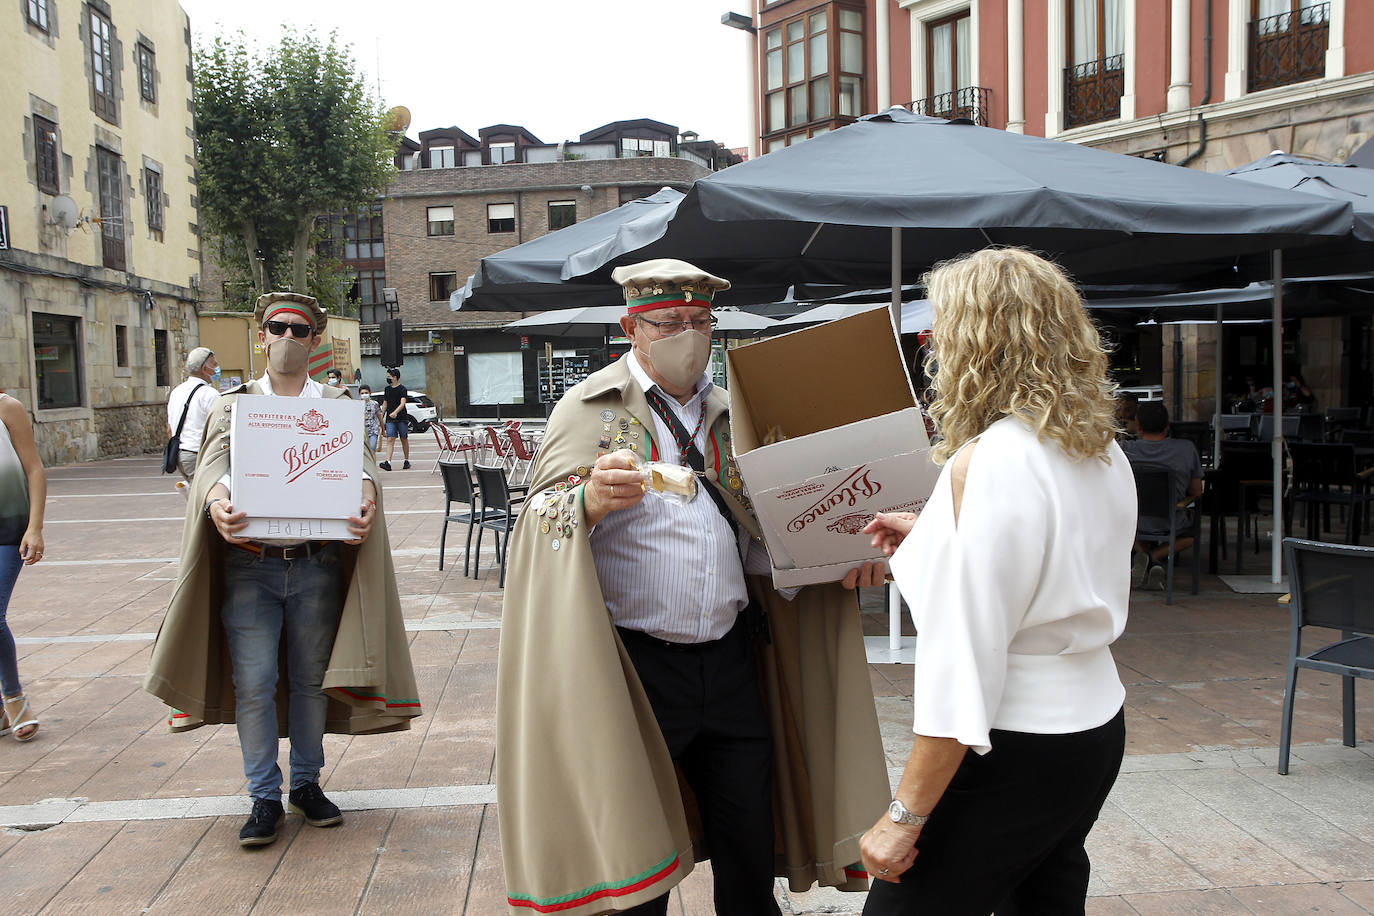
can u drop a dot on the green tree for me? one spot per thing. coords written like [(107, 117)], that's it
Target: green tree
[(282, 136)]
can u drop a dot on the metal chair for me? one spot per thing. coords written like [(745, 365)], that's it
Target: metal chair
[(499, 514), (1333, 587), (523, 449), (1242, 480), (458, 489), (1324, 475), (1154, 490)]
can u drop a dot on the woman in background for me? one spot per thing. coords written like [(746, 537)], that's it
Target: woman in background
[(372, 417), (23, 491), (1017, 573)]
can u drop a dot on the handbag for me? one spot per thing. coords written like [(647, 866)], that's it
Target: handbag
[(171, 452)]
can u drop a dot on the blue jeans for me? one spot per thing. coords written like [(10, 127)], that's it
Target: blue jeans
[(395, 428), (10, 564), (264, 597), (372, 440)]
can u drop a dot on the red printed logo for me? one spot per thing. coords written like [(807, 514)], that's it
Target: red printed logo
[(312, 421), (847, 493), (850, 524), (303, 457)]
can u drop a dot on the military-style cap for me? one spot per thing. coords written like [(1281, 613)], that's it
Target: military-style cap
[(666, 282), (270, 305)]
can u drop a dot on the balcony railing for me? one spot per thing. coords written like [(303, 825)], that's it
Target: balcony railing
[(1289, 48), (1092, 90), (969, 102)]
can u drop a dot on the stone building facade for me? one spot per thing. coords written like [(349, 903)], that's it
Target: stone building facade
[(101, 252)]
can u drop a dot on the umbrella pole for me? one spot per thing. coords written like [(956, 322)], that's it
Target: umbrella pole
[(1276, 547), (894, 597)]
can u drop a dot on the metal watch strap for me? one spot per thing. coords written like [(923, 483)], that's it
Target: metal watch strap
[(898, 814)]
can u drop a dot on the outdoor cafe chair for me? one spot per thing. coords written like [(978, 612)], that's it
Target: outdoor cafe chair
[(499, 514), (1154, 491), (1324, 475), (1332, 586), (458, 489), (1237, 487), (523, 449)]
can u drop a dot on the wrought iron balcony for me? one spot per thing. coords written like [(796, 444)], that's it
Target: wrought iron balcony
[(969, 102), (1092, 90), (1289, 48)]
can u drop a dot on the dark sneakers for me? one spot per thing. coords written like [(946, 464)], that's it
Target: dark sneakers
[(405, 466), (261, 827), (384, 465), (318, 811)]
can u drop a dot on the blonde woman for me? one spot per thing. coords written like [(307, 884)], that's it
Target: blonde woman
[(1017, 573), (23, 492)]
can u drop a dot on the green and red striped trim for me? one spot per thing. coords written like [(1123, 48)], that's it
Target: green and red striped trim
[(378, 698), (650, 876), (666, 300)]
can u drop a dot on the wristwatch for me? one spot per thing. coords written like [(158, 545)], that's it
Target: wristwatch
[(898, 814), (211, 503)]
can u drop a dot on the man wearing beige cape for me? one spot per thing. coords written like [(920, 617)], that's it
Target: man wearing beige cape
[(633, 638), (282, 638)]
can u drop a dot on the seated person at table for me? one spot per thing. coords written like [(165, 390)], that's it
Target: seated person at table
[(1179, 457), (1298, 396)]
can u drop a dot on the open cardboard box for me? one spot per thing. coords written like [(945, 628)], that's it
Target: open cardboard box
[(856, 442)]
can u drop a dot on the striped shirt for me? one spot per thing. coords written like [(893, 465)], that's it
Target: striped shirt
[(670, 570)]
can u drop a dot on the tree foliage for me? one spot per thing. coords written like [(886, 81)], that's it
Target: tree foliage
[(283, 136)]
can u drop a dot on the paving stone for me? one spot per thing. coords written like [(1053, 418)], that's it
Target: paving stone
[(129, 871), (425, 865), (1303, 898), (1215, 902)]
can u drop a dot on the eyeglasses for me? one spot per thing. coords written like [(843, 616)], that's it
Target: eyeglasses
[(279, 329), (669, 328)]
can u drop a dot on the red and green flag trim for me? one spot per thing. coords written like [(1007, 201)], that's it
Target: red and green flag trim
[(650, 876), (321, 360)]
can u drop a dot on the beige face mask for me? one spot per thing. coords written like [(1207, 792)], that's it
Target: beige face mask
[(286, 356), (682, 358)]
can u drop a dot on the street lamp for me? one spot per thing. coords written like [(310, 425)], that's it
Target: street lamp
[(738, 21), (746, 24)]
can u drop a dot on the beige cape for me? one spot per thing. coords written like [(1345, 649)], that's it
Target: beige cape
[(592, 819), (370, 682)]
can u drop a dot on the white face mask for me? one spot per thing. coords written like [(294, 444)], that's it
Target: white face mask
[(682, 358), (286, 356)]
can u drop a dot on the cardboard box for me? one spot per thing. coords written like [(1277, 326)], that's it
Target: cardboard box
[(856, 442), (297, 466)]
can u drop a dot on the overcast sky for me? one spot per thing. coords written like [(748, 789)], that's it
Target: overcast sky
[(555, 67)]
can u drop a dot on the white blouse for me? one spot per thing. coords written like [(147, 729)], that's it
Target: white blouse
[(1016, 605)]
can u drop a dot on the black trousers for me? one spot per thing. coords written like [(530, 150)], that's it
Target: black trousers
[(706, 700), (1007, 835)]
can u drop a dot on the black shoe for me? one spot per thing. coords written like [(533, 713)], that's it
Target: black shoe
[(261, 827), (318, 811), (405, 466), (384, 465)]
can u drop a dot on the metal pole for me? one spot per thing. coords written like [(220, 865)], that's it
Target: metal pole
[(894, 597), (1216, 412), (1276, 551)]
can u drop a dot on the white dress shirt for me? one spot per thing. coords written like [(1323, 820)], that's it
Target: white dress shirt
[(202, 396), (1016, 604)]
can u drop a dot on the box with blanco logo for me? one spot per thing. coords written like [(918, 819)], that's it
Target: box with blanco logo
[(297, 466), (850, 442)]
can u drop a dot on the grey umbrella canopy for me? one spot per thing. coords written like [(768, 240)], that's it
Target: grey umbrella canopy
[(822, 211), (1332, 180), (606, 319)]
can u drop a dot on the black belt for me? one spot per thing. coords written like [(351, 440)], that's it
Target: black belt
[(641, 636), (291, 552)]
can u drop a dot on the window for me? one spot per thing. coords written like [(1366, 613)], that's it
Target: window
[(147, 73), (440, 220), (496, 378), (363, 234), (500, 217), (813, 70), (631, 147), (367, 292), (102, 67), (110, 169), (441, 157), (949, 60), (36, 11), (121, 346), (1095, 78), (1287, 41), (441, 286), (45, 155), (160, 358), (562, 213), (502, 152), (152, 195), (57, 360)]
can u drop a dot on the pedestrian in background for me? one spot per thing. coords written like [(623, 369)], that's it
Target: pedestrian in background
[(397, 419), (1017, 580), (192, 400), (372, 417), (23, 492)]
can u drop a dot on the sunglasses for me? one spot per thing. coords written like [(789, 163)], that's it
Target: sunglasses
[(279, 329)]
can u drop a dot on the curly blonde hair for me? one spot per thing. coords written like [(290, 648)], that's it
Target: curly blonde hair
[(1012, 338)]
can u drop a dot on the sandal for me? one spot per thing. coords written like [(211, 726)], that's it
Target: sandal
[(16, 720)]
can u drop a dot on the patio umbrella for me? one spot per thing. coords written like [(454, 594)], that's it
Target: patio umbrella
[(606, 319)]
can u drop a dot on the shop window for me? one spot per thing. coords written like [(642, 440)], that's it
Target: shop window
[(562, 213), (442, 285), (496, 378), (57, 360), (45, 155), (500, 217), (439, 220)]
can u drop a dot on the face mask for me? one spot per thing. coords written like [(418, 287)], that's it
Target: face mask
[(334, 383), (214, 376), (287, 356), (682, 358)]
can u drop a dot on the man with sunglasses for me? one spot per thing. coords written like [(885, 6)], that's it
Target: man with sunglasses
[(346, 661), (633, 641)]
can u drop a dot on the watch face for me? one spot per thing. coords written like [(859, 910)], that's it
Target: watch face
[(895, 811)]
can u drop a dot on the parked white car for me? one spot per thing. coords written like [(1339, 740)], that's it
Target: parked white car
[(419, 408)]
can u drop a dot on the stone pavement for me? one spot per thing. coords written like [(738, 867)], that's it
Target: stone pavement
[(106, 812)]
